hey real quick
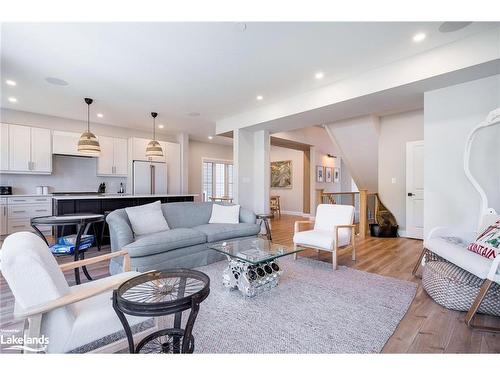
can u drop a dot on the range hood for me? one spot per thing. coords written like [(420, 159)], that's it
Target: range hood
[(66, 143)]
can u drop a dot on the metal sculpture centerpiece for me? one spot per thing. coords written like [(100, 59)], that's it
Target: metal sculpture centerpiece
[(252, 264), (160, 293)]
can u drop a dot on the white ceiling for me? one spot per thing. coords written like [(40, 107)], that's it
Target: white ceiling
[(131, 69)]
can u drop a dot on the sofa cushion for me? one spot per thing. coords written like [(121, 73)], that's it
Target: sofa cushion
[(147, 218), (225, 214), (186, 214), (487, 244), (165, 241), (220, 232)]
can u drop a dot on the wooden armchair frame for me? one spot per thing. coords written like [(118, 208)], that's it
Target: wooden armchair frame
[(33, 315), (300, 223)]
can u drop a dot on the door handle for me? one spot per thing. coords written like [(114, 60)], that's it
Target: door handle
[(411, 194)]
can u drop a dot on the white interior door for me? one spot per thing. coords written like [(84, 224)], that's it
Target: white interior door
[(415, 189)]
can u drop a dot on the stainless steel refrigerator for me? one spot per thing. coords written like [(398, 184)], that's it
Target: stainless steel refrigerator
[(149, 178)]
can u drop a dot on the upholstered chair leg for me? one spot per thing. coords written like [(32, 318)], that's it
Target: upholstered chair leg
[(294, 254), (334, 260)]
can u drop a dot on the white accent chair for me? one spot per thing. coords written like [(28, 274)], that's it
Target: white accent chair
[(333, 228), (70, 317)]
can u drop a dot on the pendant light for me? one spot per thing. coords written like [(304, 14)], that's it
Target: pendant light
[(154, 147), (88, 143)]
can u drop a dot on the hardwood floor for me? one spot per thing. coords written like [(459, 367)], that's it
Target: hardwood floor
[(426, 328)]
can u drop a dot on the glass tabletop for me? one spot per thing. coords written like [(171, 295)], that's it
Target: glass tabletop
[(254, 250)]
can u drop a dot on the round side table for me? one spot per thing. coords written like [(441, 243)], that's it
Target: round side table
[(160, 293), (265, 219), (82, 222)]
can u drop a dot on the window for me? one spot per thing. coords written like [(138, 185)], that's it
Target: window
[(217, 179)]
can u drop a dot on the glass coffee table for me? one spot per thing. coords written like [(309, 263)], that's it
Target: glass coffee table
[(253, 267)]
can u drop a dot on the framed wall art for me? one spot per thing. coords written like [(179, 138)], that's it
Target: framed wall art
[(281, 174)]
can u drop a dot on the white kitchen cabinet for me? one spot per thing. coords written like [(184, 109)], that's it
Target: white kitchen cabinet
[(19, 148), (29, 149), (16, 213), (3, 217), (4, 147), (120, 156), (113, 158), (105, 159), (138, 150)]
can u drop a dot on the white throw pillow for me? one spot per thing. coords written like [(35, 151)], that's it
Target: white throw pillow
[(147, 218), (225, 214)]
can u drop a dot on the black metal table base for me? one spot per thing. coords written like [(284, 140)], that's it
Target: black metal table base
[(82, 224), (161, 293)]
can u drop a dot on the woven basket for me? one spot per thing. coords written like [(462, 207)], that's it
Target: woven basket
[(455, 288)]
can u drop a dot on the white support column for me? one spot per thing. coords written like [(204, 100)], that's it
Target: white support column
[(261, 171), (251, 169), (183, 139)]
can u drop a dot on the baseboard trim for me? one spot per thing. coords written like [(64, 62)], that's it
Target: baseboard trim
[(295, 213)]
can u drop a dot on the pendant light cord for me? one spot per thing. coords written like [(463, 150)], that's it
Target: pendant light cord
[(88, 118), (154, 128)]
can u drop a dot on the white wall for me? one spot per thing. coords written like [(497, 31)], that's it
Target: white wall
[(395, 130), (357, 142), (291, 200), (198, 151), (322, 145), (317, 137), (449, 115)]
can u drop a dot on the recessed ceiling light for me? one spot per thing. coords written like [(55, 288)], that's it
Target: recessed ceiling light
[(56, 81), (417, 38), (11, 82), (319, 75), (161, 126), (210, 137), (194, 114), (259, 97), (100, 115), (12, 99)]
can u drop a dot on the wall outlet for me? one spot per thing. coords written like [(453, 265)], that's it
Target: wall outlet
[(393, 180)]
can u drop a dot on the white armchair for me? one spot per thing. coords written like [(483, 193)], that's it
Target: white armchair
[(69, 317), (333, 228)]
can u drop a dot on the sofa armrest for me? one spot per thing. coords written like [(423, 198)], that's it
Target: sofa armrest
[(119, 230), (247, 216)]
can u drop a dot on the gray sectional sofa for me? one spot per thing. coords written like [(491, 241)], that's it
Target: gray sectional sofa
[(184, 245)]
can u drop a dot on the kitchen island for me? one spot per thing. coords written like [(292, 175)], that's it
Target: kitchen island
[(104, 203)]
